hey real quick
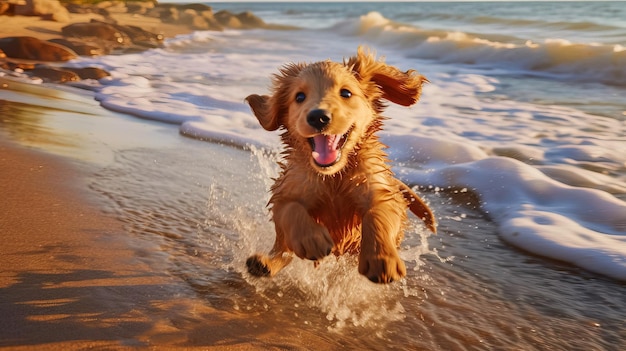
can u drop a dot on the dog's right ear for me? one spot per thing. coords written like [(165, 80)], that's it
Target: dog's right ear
[(271, 110), (261, 108)]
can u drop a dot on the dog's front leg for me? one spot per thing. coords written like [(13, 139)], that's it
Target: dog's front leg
[(304, 236), (269, 265), (296, 232), (379, 260)]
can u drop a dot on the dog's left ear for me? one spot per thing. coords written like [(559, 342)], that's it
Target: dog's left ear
[(402, 88)]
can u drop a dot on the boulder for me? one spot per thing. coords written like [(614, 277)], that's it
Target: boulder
[(195, 6), (211, 21), (195, 20), (244, 20), (227, 19), (114, 35), (88, 72), (199, 23), (24, 66), (97, 30), (79, 8), (52, 9), (250, 20), (186, 16), (139, 7), (14, 66), (30, 48), (137, 35), (81, 48), (165, 14), (54, 75)]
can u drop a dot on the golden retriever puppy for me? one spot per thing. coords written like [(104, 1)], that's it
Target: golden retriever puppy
[(336, 192)]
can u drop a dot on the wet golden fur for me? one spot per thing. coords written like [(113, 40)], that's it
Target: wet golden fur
[(354, 205)]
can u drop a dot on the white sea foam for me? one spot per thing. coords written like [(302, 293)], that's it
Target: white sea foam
[(583, 226)]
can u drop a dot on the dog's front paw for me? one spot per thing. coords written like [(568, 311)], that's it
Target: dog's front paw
[(313, 244), (381, 268)]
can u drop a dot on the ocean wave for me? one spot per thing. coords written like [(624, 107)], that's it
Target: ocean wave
[(559, 25), (604, 63), (507, 21)]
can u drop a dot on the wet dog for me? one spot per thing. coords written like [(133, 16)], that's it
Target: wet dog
[(336, 192)]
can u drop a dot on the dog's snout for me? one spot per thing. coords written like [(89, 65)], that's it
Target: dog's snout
[(318, 119)]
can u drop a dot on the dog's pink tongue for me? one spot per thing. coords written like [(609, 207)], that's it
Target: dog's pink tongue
[(326, 152)]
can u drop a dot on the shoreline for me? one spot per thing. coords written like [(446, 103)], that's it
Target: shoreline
[(60, 254)]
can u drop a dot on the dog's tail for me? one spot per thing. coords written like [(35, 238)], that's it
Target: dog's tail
[(418, 207)]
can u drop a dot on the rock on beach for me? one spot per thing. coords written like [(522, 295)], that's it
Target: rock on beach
[(105, 27), (30, 48)]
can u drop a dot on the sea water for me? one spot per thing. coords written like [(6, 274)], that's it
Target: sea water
[(518, 142), (525, 105)]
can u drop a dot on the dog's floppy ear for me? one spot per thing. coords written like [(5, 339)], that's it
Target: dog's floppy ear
[(270, 110), (402, 88), (261, 108)]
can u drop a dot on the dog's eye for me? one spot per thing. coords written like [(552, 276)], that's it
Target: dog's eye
[(345, 93), (300, 97)]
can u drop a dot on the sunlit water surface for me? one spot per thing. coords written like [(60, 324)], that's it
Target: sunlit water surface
[(201, 206)]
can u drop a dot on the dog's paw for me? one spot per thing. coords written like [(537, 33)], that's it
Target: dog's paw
[(314, 244), (382, 268), (257, 267)]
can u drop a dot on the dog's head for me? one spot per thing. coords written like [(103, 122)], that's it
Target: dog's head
[(328, 108)]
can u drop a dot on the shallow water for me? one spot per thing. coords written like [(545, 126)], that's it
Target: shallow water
[(199, 209), (465, 289)]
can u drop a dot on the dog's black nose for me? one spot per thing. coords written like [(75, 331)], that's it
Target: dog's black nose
[(318, 119)]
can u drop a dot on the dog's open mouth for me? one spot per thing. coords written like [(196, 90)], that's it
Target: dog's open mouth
[(327, 148)]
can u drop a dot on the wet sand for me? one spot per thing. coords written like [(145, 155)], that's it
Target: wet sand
[(73, 278), (60, 255)]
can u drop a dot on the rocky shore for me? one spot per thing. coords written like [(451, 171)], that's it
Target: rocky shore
[(37, 36)]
